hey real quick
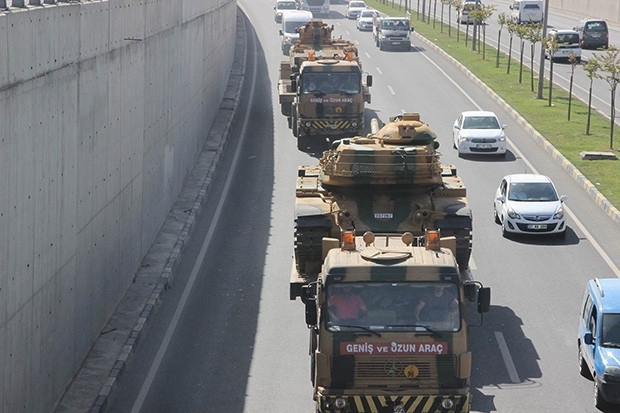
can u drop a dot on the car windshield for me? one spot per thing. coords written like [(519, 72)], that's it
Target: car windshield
[(356, 5), (366, 13), (393, 306), (480, 122), (287, 5), (291, 27), (596, 26), (568, 38), (611, 330), (532, 192)]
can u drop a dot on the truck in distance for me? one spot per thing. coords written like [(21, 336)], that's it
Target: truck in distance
[(392, 32), (322, 88)]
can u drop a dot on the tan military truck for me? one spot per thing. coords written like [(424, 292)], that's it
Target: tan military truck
[(322, 89), (390, 181), (388, 331)]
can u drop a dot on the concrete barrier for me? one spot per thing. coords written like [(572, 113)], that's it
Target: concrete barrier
[(104, 108)]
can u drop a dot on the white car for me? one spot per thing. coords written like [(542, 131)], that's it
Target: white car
[(479, 132), (568, 44), (281, 6), (364, 19), (354, 8), (529, 204)]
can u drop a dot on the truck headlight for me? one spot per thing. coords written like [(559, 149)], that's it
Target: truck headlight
[(447, 404), (340, 403)]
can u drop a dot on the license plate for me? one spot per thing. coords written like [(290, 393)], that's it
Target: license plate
[(537, 226), (483, 146), (395, 43)]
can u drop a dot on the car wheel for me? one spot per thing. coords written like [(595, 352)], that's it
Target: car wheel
[(505, 233), (495, 216), (381, 47), (562, 234), (583, 367), (502, 155), (599, 402)]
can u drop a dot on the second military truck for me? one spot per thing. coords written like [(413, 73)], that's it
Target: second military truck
[(321, 88)]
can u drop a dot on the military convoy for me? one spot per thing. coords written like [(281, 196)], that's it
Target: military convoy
[(382, 242), (322, 89)]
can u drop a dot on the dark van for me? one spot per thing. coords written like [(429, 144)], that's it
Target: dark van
[(593, 34)]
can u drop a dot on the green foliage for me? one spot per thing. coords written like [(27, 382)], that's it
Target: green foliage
[(568, 137)]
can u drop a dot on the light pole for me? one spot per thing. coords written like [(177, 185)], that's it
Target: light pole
[(541, 70)]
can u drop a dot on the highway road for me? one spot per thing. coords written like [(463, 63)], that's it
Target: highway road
[(226, 338), (561, 70)]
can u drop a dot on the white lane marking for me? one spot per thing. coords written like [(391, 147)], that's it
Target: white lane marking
[(391, 90), (148, 382), (378, 70), (510, 365)]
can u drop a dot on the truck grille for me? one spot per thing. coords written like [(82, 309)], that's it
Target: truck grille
[(374, 370)]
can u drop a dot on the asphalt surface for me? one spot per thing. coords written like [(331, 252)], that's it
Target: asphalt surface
[(96, 380)]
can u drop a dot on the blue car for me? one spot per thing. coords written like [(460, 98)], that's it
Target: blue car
[(599, 339)]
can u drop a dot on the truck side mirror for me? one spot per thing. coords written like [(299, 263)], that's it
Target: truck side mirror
[(311, 312), (588, 339), (369, 80), (484, 299)]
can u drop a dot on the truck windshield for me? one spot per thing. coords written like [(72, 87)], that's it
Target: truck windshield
[(399, 306), (395, 25), (331, 82)]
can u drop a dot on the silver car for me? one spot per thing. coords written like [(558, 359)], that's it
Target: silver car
[(529, 204)]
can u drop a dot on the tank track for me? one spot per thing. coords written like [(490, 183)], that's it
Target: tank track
[(459, 227), (309, 233)]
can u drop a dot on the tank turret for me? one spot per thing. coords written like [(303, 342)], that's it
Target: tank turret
[(402, 152)]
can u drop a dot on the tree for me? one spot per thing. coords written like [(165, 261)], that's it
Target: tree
[(449, 4), (551, 45), (533, 34), (591, 67), (458, 5), (609, 64), (501, 20), (574, 61), (511, 26), (521, 31), (480, 16)]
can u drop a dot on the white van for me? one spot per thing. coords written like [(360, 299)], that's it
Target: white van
[(527, 11), (291, 21)]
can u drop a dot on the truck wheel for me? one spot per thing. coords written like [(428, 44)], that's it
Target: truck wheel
[(381, 47), (294, 124)]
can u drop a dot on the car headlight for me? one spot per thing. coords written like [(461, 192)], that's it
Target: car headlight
[(513, 214), (502, 138), (559, 214), (464, 138), (612, 373)]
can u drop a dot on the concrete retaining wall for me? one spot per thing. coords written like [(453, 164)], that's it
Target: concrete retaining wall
[(604, 9), (104, 107)]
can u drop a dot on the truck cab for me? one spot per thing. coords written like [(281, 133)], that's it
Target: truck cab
[(387, 325), (392, 32)]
